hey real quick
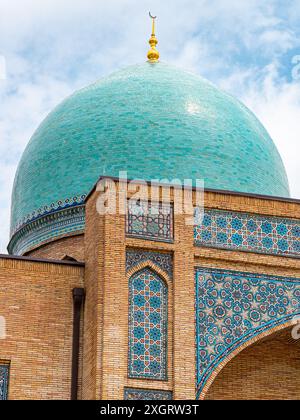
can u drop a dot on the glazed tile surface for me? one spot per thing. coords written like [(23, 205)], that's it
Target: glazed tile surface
[(148, 320), (233, 307), (154, 121), (249, 232), (143, 394)]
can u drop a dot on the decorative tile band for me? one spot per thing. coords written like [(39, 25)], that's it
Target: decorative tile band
[(135, 257), (47, 210), (148, 323), (46, 228), (150, 221), (249, 232), (234, 307), (4, 376), (146, 394)]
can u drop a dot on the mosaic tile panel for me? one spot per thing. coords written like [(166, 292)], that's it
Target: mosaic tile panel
[(146, 394), (148, 322), (249, 232), (162, 260), (4, 376), (233, 307), (150, 220), (46, 228)]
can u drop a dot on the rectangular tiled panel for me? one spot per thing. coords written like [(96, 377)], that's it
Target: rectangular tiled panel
[(146, 394), (150, 220), (249, 232), (148, 321)]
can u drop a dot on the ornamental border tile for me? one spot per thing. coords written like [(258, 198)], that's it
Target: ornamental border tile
[(146, 394), (59, 205), (249, 232), (163, 260), (71, 220)]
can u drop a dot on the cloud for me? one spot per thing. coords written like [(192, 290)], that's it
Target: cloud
[(53, 47)]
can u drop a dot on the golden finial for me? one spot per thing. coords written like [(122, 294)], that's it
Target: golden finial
[(153, 54)]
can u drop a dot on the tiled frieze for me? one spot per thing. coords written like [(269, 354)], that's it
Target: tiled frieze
[(152, 221), (65, 222), (144, 394), (134, 257), (46, 210), (234, 307), (148, 321), (249, 232), (4, 375)]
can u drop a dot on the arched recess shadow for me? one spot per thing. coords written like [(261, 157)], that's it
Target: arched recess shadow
[(238, 350)]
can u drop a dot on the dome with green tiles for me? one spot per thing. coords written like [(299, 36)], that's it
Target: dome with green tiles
[(154, 121)]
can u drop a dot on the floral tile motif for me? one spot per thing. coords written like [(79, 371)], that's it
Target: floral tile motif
[(146, 394), (249, 232), (152, 221), (162, 260), (4, 374), (148, 321), (233, 307)]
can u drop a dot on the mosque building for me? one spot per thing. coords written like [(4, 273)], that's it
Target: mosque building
[(139, 304)]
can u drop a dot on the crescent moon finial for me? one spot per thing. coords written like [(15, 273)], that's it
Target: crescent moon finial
[(153, 54), (152, 17)]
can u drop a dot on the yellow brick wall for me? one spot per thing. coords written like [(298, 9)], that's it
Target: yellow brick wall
[(72, 246), (106, 246), (36, 298), (36, 301), (267, 370)]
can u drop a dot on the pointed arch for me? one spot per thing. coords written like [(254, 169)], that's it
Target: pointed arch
[(148, 322), (238, 350), (152, 266)]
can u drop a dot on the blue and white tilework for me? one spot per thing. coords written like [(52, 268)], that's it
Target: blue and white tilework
[(249, 232), (148, 321), (137, 256), (146, 394), (4, 374), (152, 221), (234, 307), (70, 220)]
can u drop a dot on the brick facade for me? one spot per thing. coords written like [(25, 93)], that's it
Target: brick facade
[(266, 370), (36, 301), (72, 246), (47, 288)]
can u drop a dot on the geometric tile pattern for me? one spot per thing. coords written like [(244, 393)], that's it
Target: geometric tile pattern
[(48, 227), (148, 321), (162, 260), (152, 221), (4, 374), (144, 394), (249, 232), (46, 210), (233, 307)]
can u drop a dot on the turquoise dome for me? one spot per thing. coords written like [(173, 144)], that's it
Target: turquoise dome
[(153, 121)]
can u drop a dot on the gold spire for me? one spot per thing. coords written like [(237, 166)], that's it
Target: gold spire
[(153, 54)]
